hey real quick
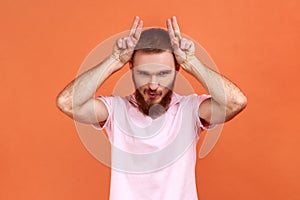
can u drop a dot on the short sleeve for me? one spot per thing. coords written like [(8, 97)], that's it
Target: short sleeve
[(199, 100), (108, 101)]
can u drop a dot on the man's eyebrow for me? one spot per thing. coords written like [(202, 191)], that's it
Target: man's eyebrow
[(165, 71), (139, 70), (158, 71)]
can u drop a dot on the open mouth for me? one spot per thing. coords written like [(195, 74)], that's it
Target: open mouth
[(153, 95)]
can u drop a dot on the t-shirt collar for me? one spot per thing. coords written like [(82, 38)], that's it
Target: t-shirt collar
[(175, 99)]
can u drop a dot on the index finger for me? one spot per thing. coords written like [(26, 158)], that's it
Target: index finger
[(170, 29), (138, 30), (134, 25), (176, 27)]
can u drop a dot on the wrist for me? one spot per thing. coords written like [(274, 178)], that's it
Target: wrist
[(114, 63), (190, 59), (115, 58), (189, 63)]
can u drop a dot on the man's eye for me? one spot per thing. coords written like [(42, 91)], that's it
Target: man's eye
[(163, 73), (143, 73)]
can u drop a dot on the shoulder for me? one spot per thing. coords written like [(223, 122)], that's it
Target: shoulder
[(110, 100), (191, 98), (110, 97)]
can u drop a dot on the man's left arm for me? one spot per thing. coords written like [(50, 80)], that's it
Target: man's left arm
[(226, 100)]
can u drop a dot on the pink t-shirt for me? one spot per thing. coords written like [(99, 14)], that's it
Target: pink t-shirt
[(153, 159)]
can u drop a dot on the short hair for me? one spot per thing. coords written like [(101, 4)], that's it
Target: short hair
[(155, 40)]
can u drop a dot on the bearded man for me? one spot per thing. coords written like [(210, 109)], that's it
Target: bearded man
[(154, 131)]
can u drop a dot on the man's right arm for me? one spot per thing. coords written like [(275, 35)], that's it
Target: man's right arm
[(77, 99)]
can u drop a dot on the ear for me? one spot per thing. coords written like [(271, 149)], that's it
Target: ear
[(177, 67), (130, 64)]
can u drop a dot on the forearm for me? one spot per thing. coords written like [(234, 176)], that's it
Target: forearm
[(83, 88), (223, 91), (77, 98)]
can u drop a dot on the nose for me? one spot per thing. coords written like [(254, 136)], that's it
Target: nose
[(153, 84)]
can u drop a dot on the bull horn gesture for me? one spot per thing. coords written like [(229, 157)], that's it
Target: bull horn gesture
[(124, 47), (184, 49)]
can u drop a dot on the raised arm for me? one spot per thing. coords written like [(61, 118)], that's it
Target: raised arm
[(77, 99), (227, 99)]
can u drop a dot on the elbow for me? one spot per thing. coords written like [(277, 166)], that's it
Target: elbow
[(235, 107), (64, 104), (239, 104)]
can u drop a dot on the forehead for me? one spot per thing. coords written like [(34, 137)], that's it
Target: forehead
[(153, 68), (149, 59)]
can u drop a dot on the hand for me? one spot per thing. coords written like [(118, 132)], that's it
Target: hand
[(124, 47), (184, 49)]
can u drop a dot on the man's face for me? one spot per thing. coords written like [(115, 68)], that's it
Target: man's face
[(153, 75)]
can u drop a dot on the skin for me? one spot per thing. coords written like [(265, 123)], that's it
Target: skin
[(159, 72), (77, 99), (227, 99)]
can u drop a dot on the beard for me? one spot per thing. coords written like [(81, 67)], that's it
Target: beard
[(153, 110)]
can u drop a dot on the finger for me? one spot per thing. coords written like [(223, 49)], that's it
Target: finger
[(134, 25), (175, 46), (138, 31), (183, 43), (129, 43), (170, 29), (176, 27), (188, 44), (124, 45), (119, 43)]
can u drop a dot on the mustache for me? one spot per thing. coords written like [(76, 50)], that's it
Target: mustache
[(148, 90)]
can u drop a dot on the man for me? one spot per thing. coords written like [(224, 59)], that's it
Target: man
[(154, 131)]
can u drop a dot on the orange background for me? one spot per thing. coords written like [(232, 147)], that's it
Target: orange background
[(255, 43)]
